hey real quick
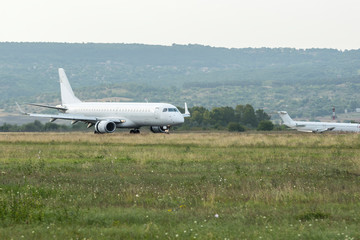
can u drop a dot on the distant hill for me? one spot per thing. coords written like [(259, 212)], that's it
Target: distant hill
[(306, 83)]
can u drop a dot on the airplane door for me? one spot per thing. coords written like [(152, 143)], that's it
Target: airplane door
[(157, 113)]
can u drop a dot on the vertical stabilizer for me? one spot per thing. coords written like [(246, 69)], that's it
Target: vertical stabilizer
[(187, 113), (67, 94), (286, 118)]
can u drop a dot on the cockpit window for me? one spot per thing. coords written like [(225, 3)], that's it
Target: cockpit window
[(173, 110), (165, 110)]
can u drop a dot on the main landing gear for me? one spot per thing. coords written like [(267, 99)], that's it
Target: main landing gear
[(135, 131)]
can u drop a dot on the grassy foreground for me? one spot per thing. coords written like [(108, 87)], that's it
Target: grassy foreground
[(179, 186)]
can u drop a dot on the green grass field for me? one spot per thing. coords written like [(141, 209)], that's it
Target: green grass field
[(179, 186)]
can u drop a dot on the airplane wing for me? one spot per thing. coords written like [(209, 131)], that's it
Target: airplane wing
[(323, 130), (73, 117), (47, 106), (77, 118)]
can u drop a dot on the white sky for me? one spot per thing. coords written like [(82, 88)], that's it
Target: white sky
[(221, 23)]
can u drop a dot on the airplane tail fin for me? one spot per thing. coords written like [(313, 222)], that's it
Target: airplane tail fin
[(67, 94), (187, 113), (286, 118)]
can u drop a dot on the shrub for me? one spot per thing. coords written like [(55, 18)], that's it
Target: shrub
[(265, 125), (235, 127)]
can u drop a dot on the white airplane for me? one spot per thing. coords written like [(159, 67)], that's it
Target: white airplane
[(318, 127), (107, 116)]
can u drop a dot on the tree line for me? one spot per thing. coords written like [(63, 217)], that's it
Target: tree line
[(238, 119), (37, 126)]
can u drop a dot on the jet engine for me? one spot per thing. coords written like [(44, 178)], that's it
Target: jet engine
[(105, 127), (159, 129)]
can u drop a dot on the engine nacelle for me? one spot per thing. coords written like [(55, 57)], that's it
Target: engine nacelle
[(159, 129), (105, 127)]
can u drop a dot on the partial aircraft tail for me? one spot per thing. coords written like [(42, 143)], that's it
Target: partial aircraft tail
[(67, 94), (187, 113), (286, 118)]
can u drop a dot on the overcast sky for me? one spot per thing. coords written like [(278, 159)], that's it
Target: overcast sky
[(221, 23)]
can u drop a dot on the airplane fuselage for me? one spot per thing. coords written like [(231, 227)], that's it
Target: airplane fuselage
[(320, 126), (129, 115), (317, 127)]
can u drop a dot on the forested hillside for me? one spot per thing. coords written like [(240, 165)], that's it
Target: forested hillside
[(306, 83)]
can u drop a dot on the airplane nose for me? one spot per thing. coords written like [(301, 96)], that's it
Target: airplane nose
[(179, 119)]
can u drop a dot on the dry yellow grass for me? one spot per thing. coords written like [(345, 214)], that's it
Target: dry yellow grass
[(220, 139)]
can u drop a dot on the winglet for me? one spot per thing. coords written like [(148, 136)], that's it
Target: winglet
[(187, 113), (25, 113)]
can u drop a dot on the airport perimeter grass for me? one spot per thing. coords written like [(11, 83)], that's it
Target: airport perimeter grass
[(179, 186)]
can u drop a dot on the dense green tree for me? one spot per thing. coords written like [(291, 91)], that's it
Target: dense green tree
[(36, 126), (222, 115), (265, 125), (51, 126), (235, 127), (249, 117), (261, 115), (198, 115), (9, 128), (239, 113)]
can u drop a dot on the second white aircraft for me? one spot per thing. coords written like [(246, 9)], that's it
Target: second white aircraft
[(317, 127), (107, 116)]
